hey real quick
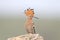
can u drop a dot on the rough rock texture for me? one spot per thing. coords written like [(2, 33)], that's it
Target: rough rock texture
[(27, 37)]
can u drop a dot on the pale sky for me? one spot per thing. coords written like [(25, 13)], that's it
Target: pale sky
[(43, 8)]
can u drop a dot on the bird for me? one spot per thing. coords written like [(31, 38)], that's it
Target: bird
[(29, 25)]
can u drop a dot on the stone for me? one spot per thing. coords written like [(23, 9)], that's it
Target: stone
[(27, 37)]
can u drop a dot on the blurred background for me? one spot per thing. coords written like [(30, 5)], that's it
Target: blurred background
[(12, 18)]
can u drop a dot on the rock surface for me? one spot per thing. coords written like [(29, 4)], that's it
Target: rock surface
[(27, 37)]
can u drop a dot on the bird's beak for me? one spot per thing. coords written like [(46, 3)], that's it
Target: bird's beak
[(36, 17)]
